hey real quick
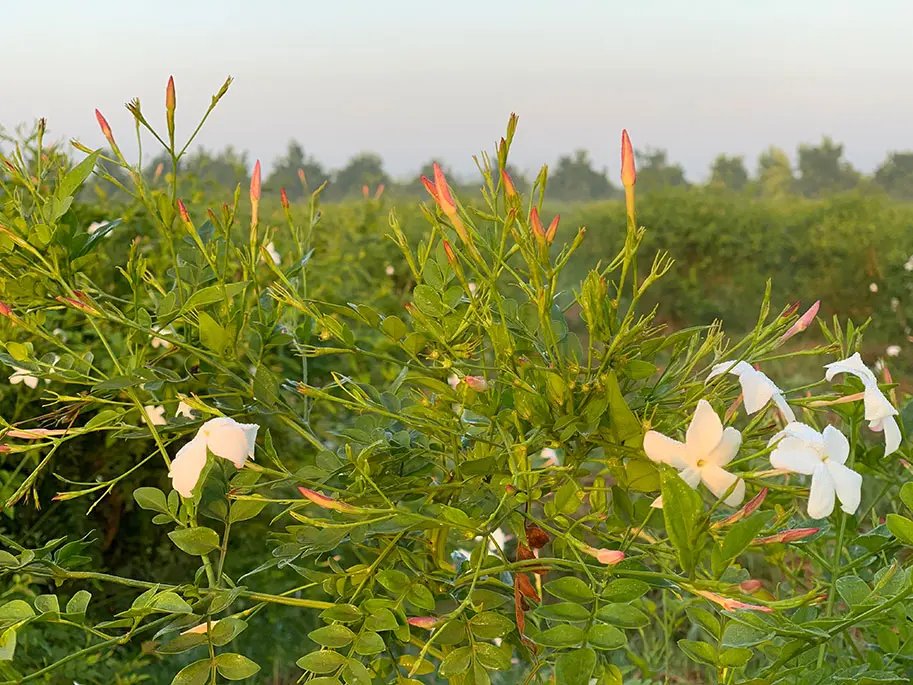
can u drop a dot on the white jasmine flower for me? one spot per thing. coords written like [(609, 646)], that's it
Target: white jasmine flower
[(708, 447), (757, 388), (550, 456), (893, 351), (909, 263), (873, 287), (802, 449), (94, 226), (225, 438), (184, 410), (23, 376), (472, 287), (389, 270), (879, 411), (273, 253), (156, 414), (453, 380), (161, 342)]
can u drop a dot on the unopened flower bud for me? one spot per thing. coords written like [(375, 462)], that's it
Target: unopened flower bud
[(170, 105), (803, 322), (283, 198), (628, 170), (182, 210), (105, 128), (510, 190), (325, 502), (786, 536)]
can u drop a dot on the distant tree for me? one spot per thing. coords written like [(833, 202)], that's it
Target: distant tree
[(728, 172), (775, 174), (364, 169), (895, 175), (213, 171), (574, 178), (654, 171), (285, 173), (823, 170)]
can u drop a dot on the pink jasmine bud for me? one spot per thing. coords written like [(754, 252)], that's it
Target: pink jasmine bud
[(105, 128), (255, 183), (785, 536), (477, 383), (429, 186), (749, 587), (444, 198), (448, 250), (426, 622), (628, 171), (552, 229), (170, 104), (283, 198), (365, 191), (536, 223), (730, 604), (182, 210), (510, 189), (747, 510), (325, 502), (609, 557), (803, 321), (379, 191)]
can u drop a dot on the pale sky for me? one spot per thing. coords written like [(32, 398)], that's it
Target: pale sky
[(414, 79)]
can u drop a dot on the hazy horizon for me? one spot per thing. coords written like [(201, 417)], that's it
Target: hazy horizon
[(412, 81)]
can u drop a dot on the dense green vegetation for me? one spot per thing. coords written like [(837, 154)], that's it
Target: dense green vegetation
[(464, 422)]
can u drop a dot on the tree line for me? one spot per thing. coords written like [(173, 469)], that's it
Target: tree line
[(820, 170)]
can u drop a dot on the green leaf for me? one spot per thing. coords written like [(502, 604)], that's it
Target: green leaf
[(853, 590), (560, 636), (343, 613), (575, 668), (334, 636), (196, 673), (489, 625), (570, 588), (212, 335), (79, 602), (171, 603), (382, 619), (47, 604), (701, 652), (901, 528), (705, 620), (563, 611), (606, 637), (681, 507), (421, 597), (204, 296), (369, 643), (76, 176), (226, 630), (14, 611), (739, 635), (7, 559), (456, 662), (625, 424), (742, 533), (245, 509), (321, 662), (151, 499), (735, 657), (623, 615), (495, 658), (427, 300), (236, 666), (7, 644), (906, 495), (624, 590), (195, 541)]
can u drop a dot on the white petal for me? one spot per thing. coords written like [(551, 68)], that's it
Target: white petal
[(719, 481), (187, 466), (836, 446), (250, 432), (705, 431), (877, 406), (757, 389), (852, 365), (821, 497), (736, 369), (184, 410), (226, 438), (665, 450), (796, 455), (692, 476), (785, 410), (31, 381), (728, 447), (891, 435), (848, 485)]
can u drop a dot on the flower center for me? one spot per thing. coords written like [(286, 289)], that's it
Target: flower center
[(700, 463)]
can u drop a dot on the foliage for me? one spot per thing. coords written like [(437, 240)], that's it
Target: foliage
[(449, 482)]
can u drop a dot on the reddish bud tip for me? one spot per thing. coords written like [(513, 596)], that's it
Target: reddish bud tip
[(443, 197), (536, 223), (803, 321), (105, 128), (429, 186), (552, 229), (170, 100), (323, 501), (746, 510), (255, 183), (628, 171), (182, 210), (283, 198), (510, 190), (448, 250)]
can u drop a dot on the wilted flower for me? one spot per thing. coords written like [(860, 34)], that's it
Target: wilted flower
[(799, 448), (879, 411), (757, 388), (477, 383), (161, 342), (23, 376), (273, 253), (155, 414), (708, 447), (225, 438), (184, 410)]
